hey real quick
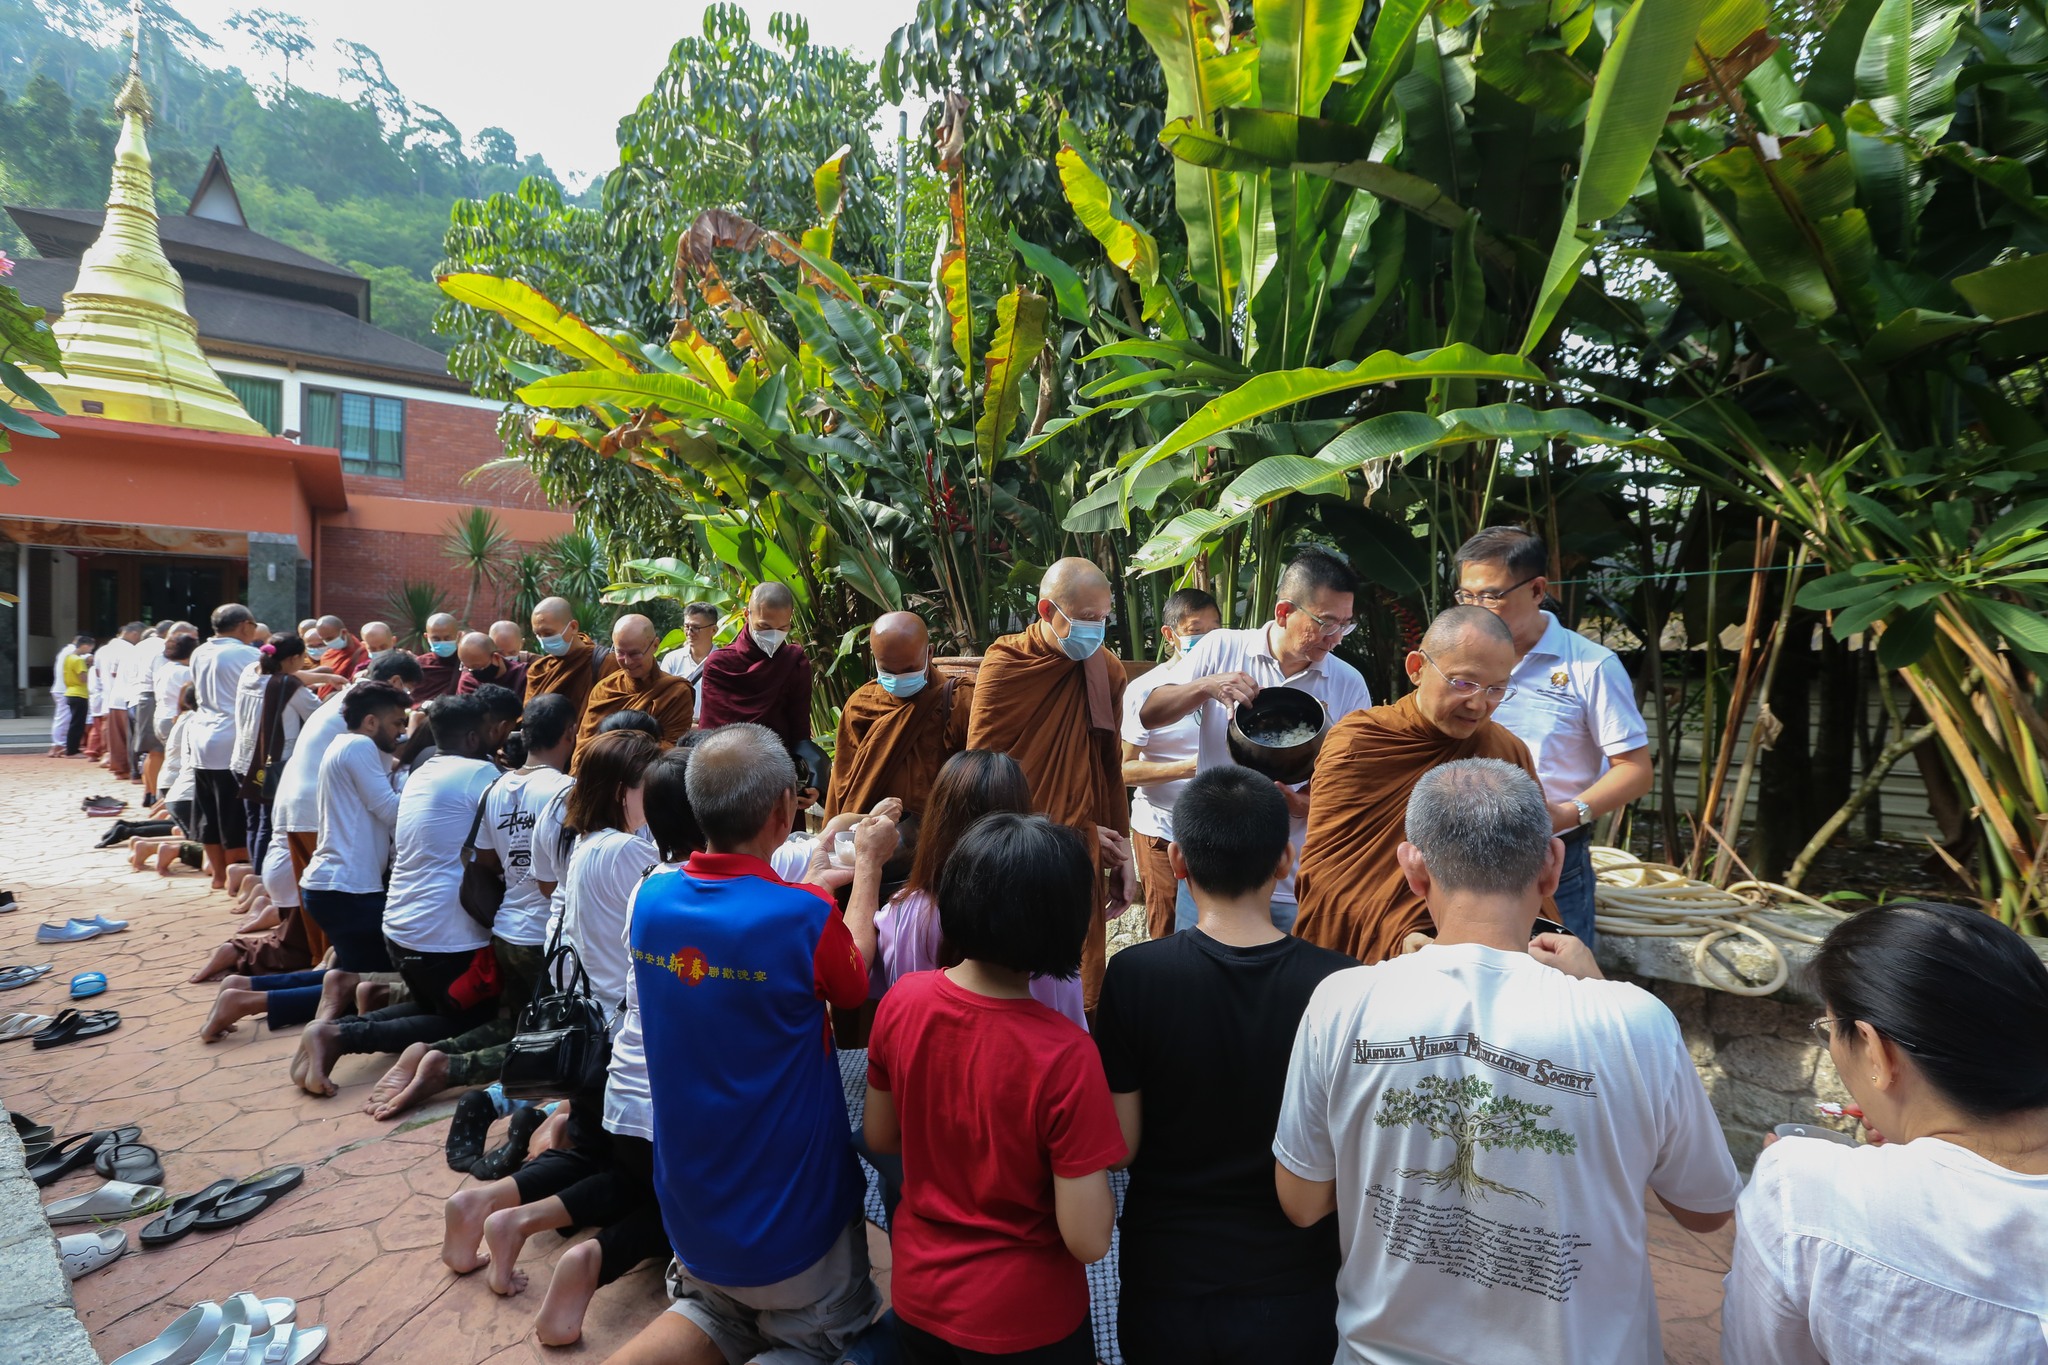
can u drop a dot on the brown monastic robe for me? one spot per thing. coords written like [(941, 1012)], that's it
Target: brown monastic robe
[(1058, 719), (887, 747), (1352, 893), (669, 699), (572, 674)]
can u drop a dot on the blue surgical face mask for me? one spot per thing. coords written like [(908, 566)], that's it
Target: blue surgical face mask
[(902, 686), (1184, 645), (444, 649), (769, 640), (554, 644), (1083, 638)]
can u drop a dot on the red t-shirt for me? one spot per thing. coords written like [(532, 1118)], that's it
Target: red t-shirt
[(996, 1097)]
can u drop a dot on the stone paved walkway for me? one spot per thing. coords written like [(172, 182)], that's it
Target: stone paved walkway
[(358, 1244)]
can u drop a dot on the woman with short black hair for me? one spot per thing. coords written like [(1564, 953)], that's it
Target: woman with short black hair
[(1927, 1244)]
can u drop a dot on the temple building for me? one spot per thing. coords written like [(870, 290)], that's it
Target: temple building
[(236, 429)]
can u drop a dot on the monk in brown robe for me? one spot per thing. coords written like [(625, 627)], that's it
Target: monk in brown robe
[(345, 654), (638, 684), (762, 677), (570, 663), (897, 731), (483, 665), (1051, 697), (1354, 896), (439, 670)]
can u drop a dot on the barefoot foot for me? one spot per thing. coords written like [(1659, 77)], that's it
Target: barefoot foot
[(223, 958), (429, 1078), (560, 1320), (394, 1080), (462, 1220), (320, 1045), (229, 1006), (504, 1238)]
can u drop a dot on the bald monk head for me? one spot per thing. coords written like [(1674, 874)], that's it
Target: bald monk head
[(378, 637), (634, 642), (506, 638), (1461, 670), (771, 608), (442, 633), (901, 645), (474, 651), (554, 624), (1075, 602)]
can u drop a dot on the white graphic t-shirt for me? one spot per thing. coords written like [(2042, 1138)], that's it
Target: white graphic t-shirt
[(1492, 1124)]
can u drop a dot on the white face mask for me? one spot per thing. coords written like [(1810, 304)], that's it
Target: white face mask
[(769, 640)]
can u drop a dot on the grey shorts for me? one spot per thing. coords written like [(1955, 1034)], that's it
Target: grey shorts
[(146, 739), (806, 1319)]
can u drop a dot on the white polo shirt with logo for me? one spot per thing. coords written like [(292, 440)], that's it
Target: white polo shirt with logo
[(1575, 708), (1336, 684)]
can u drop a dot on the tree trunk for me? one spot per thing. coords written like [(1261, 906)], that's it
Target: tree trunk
[(1785, 802), (1834, 740)]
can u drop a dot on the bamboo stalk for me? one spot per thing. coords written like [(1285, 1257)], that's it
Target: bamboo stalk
[(1739, 694), (1774, 650)]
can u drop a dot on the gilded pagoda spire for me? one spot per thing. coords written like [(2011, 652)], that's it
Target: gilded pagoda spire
[(131, 351)]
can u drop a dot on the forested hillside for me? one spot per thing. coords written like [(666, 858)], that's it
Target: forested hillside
[(364, 181)]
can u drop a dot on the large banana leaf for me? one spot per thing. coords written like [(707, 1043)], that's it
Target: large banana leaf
[(828, 189), (673, 393), (1639, 78), (1386, 57), (1900, 68), (1131, 249), (1269, 393), (539, 317), (1019, 337), (1068, 292)]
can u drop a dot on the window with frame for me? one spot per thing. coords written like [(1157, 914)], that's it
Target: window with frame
[(368, 429), (262, 399)]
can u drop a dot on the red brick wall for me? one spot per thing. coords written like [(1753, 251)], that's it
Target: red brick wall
[(359, 570), (443, 442)]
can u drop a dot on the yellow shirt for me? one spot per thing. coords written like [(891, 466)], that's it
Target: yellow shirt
[(75, 669)]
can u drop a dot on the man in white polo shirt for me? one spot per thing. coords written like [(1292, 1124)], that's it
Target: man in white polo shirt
[(1573, 705), (1313, 612), (1158, 763)]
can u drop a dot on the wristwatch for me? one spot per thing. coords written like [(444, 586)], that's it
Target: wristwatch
[(1585, 812)]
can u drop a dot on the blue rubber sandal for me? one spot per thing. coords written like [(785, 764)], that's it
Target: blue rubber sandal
[(87, 984)]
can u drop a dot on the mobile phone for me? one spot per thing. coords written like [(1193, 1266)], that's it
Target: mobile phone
[(1546, 926), (1809, 1130)]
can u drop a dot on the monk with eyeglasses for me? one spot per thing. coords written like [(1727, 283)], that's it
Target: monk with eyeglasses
[(1354, 897)]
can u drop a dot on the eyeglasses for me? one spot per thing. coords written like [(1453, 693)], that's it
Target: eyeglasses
[(1823, 1029), (1325, 627), (694, 627), (1465, 687), (1490, 597)]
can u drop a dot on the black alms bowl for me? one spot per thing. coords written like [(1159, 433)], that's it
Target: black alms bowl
[(1279, 733)]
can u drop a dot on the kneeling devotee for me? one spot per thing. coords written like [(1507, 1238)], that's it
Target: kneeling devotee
[(898, 730), (638, 684), (762, 677), (1052, 698), (1353, 895)]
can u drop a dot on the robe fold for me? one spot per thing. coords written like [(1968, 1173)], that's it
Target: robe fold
[(438, 677), (571, 675), (744, 684), (1059, 720), (667, 698), (346, 660), (887, 747), (1350, 887)]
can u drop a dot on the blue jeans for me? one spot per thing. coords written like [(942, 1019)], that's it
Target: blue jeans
[(1185, 914), (354, 923), (1575, 886), (294, 996)]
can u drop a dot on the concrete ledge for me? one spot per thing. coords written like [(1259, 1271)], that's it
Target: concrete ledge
[(1732, 959), (37, 1323)]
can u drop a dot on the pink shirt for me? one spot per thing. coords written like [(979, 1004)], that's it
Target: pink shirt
[(907, 940)]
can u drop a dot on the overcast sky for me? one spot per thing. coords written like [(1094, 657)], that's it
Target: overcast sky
[(557, 77)]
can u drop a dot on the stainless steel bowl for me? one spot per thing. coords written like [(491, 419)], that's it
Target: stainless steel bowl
[(1278, 709)]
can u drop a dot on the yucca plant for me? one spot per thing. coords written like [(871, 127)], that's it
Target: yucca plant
[(477, 543), (409, 608)]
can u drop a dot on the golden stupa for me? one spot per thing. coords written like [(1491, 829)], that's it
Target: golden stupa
[(131, 351)]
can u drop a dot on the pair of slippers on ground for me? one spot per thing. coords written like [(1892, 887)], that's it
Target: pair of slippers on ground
[(78, 930), (243, 1328), (69, 1026), (103, 805)]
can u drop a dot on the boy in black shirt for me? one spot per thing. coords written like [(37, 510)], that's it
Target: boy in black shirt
[(1195, 1032)]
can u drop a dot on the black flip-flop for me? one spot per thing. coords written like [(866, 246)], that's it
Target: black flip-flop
[(130, 1161), (72, 1026), (249, 1198), (31, 1132), (77, 1150), (184, 1212), (509, 1156)]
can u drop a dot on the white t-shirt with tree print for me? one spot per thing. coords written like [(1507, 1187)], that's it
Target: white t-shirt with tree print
[(1492, 1125)]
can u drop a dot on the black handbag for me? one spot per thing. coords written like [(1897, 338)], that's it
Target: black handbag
[(483, 888), (564, 1046)]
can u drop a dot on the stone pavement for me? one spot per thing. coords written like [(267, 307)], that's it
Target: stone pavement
[(358, 1245)]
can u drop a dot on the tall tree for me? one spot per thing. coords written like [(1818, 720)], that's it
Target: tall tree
[(276, 32)]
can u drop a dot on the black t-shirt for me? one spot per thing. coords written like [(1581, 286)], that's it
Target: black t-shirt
[(1205, 1031)]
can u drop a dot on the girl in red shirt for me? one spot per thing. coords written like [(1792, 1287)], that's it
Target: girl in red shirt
[(1000, 1109)]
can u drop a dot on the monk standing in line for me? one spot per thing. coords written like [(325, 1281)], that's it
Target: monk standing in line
[(378, 637), (897, 731), (638, 684), (1354, 896), (345, 654), (570, 663), (1052, 698), (439, 671), (762, 677)]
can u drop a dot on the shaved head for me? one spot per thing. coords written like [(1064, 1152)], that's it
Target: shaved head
[(772, 597), (771, 608), (332, 628), (378, 637), (441, 627), (900, 642), (1454, 627), (507, 637), (1462, 669), (633, 643), (474, 649), (1073, 590), (555, 611)]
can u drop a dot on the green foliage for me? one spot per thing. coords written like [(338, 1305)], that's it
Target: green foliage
[(408, 609), (24, 339), (480, 548)]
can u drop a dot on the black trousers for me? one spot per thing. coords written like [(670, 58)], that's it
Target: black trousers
[(74, 738), (428, 1017), (922, 1348), (217, 797), (1279, 1329)]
